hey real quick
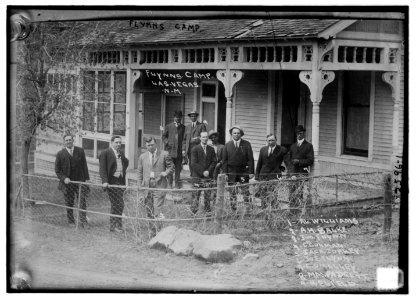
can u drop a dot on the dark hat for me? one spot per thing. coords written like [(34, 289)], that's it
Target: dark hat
[(193, 113), (238, 127), (299, 128), (212, 132), (177, 113)]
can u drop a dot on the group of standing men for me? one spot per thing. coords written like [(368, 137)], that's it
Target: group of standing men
[(190, 144)]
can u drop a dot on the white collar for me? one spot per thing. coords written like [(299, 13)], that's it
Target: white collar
[(70, 149), (115, 152), (150, 153), (237, 141), (300, 141)]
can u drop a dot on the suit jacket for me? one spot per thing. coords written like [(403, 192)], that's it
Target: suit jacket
[(305, 155), (108, 164), (64, 162), (201, 162), (269, 165), (190, 133), (240, 160), (162, 163), (173, 138)]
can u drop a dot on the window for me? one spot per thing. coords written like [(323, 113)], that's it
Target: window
[(356, 113), (209, 104), (103, 109)]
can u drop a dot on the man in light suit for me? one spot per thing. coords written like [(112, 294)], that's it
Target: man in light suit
[(299, 160), (154, 167), (113, 166), (71, 165), (238, 163), (269, 166), (173, 138), (203, 160), (191, 137)]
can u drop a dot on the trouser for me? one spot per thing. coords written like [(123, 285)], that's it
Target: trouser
[(178, 168), (116, 201), (296, 193), (199, 183), (154, 202), (233, 179), (72, 191), (266, 191)]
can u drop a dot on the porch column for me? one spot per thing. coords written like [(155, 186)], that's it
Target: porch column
[(131, 144), (316, 82), (229, 78), (393, 80)]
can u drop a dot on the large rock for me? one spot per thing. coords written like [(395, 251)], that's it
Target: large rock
[(184, 240), (164, 238), (216, 248)]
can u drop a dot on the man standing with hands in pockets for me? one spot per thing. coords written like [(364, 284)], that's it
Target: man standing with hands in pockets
[(153, 169), (113, 165)]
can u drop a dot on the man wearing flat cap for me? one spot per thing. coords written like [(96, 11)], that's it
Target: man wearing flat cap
[(238, 163), (191, 136), (173, 138), (299, 161)]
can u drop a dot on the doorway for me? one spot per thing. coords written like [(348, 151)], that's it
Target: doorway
[(290, 105)]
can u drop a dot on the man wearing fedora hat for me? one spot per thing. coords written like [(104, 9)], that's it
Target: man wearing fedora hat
[(173, 138), (238, 162), (191, 136), (299, 161)]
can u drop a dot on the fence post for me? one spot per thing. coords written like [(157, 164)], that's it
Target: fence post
[(336, 188), (219, 204), (78, 205), (388, 197)]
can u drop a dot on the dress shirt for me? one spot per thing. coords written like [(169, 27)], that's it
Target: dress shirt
[(119, 170)]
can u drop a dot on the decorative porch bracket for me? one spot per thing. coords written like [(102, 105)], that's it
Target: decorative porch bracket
[(392, 79), (324, 49), (229, 78), (316, 82)]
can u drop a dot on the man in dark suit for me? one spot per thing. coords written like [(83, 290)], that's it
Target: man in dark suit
[(113, 165), (238, 163), (269, 166), (203, 160), (299, 161), (173, 138), (191, 137), (71, 165)]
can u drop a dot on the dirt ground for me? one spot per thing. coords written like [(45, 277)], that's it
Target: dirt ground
[(66, 258)]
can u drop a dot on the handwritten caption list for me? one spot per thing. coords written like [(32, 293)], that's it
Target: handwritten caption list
[(323, 257)]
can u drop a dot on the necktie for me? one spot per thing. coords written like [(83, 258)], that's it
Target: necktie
[(236, 145), (71, 151), (205, 150), (193, 125), (118, 154), (270, 151), (153, 158)]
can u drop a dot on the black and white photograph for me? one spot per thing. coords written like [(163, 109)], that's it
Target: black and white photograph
[(207, 149)]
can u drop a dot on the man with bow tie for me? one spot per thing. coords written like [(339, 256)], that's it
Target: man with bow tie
[(173, 138), (203, 160), (299, 161), (113, 166), (191, 136), (154, 167), (71, 165), (238, 163)]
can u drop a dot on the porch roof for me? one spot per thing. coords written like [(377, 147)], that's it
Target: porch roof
[(125, 32)]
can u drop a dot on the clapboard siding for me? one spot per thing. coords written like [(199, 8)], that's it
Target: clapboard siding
[(189, 105), (383, 121), (401, 105), (152, 113), (251, 107), (328, 120)]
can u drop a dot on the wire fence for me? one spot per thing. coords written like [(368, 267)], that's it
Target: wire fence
[(257, 207)]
